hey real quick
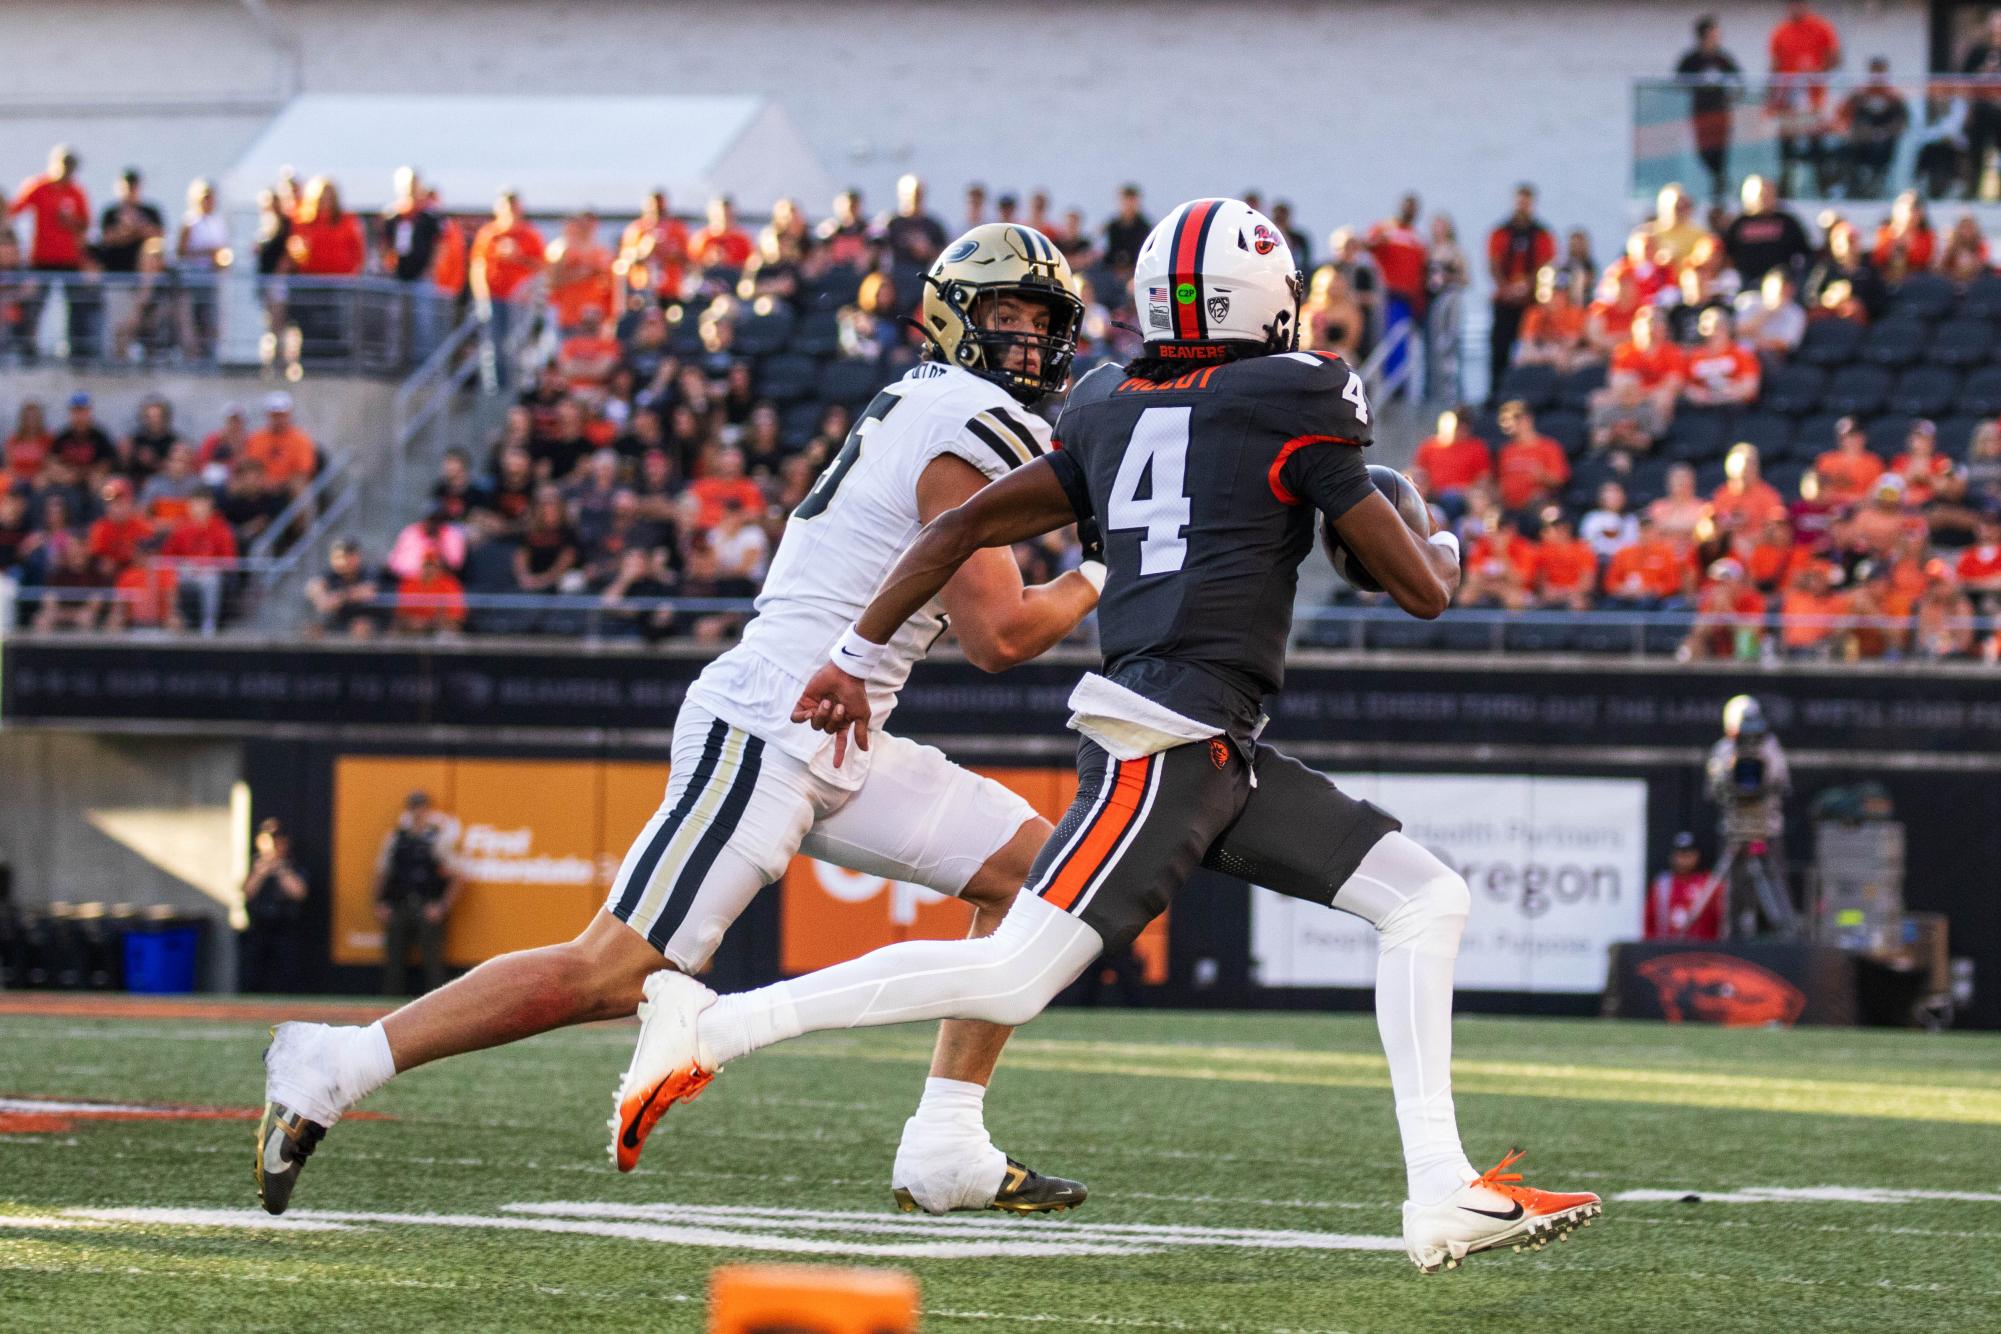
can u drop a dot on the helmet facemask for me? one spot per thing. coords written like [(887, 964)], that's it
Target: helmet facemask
[(984, 351)]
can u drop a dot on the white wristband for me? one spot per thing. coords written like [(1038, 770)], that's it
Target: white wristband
[(1094, 572), (1448, 540), (856, 656)]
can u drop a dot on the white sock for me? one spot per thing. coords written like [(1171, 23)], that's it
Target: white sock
[(1004, 978), (365, 1061), (1419, 906), (952, 1100)]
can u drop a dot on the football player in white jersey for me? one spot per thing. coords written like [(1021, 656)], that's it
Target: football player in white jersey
[(750, 789)]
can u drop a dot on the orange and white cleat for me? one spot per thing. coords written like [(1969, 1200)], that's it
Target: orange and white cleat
[(665, 1068), (1490, 1212)]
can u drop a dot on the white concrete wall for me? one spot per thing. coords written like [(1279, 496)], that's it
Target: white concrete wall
[(1339, 106)]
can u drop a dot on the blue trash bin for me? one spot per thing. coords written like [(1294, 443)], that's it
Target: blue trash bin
[(162, 962)]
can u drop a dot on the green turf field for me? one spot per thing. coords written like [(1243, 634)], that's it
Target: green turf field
[(1244, 1174)]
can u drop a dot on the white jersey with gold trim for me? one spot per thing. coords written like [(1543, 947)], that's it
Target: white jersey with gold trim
[(840, 543)]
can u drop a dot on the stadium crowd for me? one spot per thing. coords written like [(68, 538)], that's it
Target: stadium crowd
[(1738, 416)]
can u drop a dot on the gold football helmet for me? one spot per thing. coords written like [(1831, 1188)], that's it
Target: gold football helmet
[(992, 259)]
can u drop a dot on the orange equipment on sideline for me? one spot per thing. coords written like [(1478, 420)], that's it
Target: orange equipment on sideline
[(809, 1299)]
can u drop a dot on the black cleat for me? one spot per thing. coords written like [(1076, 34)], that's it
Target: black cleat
[(285, 1139), (1023, 1190)]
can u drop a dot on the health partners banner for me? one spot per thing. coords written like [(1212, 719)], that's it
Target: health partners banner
[(1556, 867)]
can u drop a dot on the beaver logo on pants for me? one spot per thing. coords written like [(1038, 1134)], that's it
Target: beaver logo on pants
[(1719, 989)]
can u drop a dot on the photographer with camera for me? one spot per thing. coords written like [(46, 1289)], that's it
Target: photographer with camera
[(415, 887), (1748, 780)]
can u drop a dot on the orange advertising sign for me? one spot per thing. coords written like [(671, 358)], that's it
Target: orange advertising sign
[(539, 842)]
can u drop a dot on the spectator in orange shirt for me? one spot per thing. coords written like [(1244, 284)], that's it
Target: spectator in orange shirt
[(117, 538), (1942, 623), (1649, 572), (432, 603), (1553, 330), (1721, 371), (507, 254), (29, 445), (721, 244), (653, 251), (286, 452), (1728, 617), (1453, 460), (1810, 611), (1771, 556), (1655, 362), (1532, 467), (1500, 566), (1922, 467), (1849, 469), (580, 274), (1608, 320), (1904, 243), (724, 482), (1880, 526), (1804, 44), (449, 269), (1566, 569), (1744, 500)]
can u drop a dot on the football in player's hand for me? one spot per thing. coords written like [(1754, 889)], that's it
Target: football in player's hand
[(1400, 492)]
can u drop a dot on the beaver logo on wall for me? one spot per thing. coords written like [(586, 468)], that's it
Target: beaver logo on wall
[(1718, 989)]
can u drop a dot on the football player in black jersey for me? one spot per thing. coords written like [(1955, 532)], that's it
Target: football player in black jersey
[(1201, 467)]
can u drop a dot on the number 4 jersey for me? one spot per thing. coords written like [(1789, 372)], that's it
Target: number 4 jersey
[(842, 540), (1205, 487)]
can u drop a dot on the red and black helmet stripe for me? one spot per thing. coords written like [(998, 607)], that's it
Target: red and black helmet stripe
[(1191, 235)]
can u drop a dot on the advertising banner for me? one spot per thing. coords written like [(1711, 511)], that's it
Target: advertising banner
[(1556, 867)]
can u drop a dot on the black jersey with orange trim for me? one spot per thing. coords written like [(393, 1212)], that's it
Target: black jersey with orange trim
[(1204, 487)]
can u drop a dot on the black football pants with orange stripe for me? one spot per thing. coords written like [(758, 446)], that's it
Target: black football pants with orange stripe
[(1139, 828)]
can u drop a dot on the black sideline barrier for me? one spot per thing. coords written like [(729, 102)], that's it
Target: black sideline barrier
[(1931, 736)]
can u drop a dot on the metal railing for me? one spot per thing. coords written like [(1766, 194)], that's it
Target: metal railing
[(195, 320), (1603, 632), (1819, 136)]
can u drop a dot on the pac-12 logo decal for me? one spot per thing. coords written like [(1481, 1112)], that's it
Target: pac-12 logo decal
[(1263, 239), (1219, 308), (963, 250), (1721, 989)]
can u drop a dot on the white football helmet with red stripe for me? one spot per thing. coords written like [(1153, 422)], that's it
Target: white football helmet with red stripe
[(1217, 271)]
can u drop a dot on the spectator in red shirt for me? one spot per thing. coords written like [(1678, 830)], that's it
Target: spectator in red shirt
[(1401, 257), (117, 538), (506, 256), (1651, 359), (61, 211), (1453, 460), (1803, 45), (1532, 467), (1515, 250), (200, 534), (721, 244), (1566, 569), (1684, 902), (28, 446), (327, 240), (1979, 566), (1721, 371)]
